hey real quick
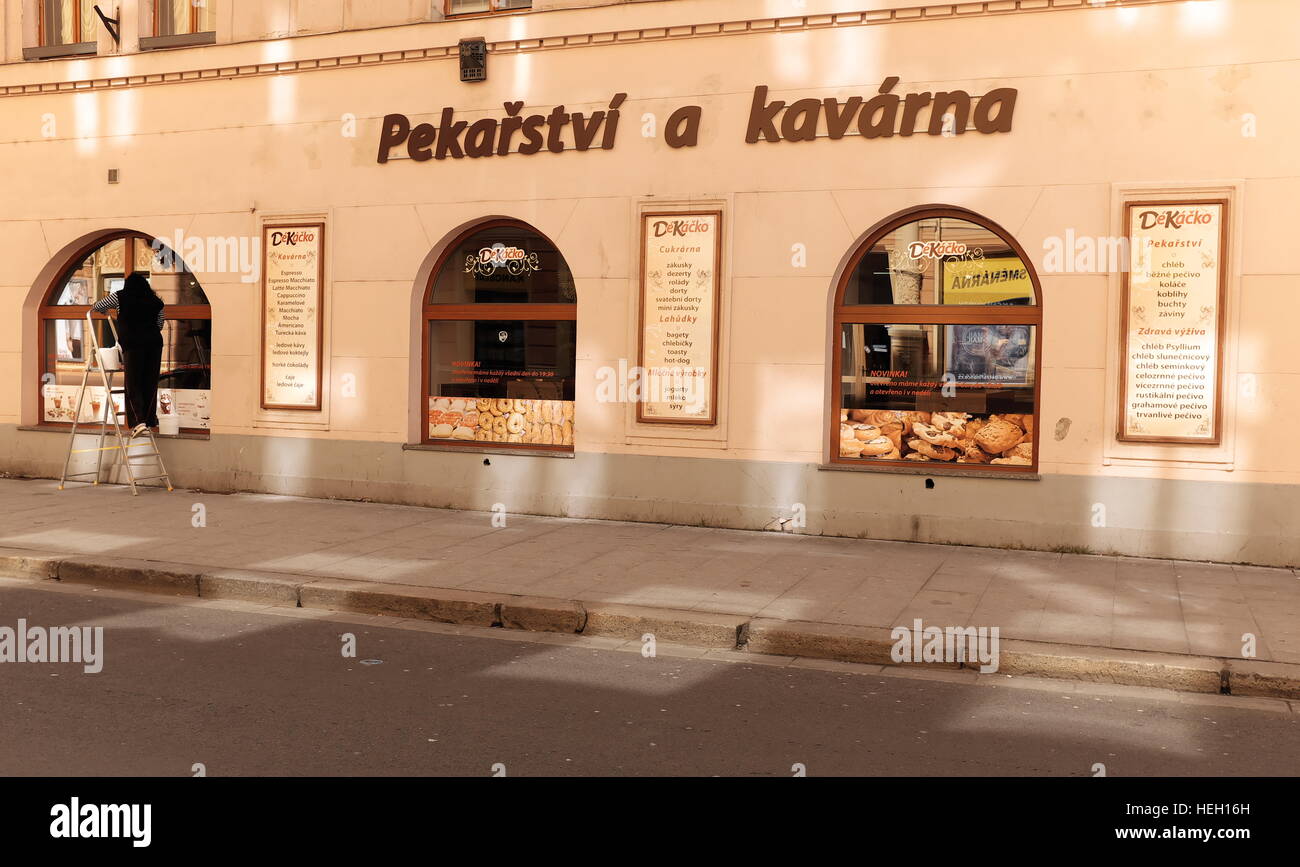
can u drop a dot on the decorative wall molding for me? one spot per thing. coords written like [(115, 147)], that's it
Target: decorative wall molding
[(898, 15)]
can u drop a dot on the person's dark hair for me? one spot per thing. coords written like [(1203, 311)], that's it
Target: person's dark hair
[(138, 284)]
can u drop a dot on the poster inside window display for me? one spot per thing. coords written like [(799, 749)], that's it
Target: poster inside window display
[(980, 280), (60, 405), (1173, 303)]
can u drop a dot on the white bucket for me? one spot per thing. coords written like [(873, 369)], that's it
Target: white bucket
[(169, 421), (110, 357)]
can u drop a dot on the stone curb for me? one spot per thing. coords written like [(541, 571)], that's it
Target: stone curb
[(1272, 679), (806, 640)]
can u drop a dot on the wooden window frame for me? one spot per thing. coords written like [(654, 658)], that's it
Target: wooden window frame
[(932, 314), (521, 312), (78, 36), (48, 312), (491, 10)]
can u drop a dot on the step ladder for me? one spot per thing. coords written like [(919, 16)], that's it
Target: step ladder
[(132, 460)]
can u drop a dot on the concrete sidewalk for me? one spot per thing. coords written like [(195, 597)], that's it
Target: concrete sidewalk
[(780, 593)]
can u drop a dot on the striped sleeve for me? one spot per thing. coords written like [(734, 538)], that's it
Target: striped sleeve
[(107, 303), (160, 317)]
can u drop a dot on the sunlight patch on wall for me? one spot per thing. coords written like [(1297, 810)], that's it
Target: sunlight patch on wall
[(85, 121)]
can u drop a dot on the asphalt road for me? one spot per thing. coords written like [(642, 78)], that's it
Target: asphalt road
[(244, 692)]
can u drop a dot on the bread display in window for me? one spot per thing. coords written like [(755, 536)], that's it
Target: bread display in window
[(946, 437), (503, 420)]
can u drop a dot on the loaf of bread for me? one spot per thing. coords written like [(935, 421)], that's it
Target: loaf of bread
[(938, 453), (998, 435), (865, 432), (877, 446)]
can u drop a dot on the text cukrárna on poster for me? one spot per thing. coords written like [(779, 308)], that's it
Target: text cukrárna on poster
[(681, 260)]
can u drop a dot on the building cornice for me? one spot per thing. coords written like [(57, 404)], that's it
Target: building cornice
[(782, 24)]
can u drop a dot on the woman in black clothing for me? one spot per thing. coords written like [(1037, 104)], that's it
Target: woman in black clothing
[(139, 333)]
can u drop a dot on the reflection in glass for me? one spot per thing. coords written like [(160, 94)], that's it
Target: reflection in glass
[(940, 260), (504, 265)]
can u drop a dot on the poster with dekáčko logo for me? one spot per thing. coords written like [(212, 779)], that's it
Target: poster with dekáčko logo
[(1173, 306), (291, 316), (681, 259)]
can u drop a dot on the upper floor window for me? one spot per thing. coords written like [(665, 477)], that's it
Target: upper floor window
[(183, 17), (470, 7), (66, 22)]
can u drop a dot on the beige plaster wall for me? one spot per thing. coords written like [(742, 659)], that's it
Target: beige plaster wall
[(1152, 95)]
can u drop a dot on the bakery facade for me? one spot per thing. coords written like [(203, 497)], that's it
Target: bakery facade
[(842, 267)]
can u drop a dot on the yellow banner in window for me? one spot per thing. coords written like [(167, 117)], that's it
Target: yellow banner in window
[(987, 281)]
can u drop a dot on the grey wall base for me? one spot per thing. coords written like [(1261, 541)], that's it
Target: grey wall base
[(1231, 523)]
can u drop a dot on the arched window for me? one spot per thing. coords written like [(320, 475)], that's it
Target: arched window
[(500, 345), (937, 324), (186, 375)]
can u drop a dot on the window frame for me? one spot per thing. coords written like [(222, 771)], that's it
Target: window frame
[(520, 311), (194, 21), (491, 10), (931, 314), (48, 312), (80, 44), (177, 40)]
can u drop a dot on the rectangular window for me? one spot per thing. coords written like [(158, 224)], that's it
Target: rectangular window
[(953, 394), (184, 17), (472, 7), (66, 22), (508, 381), (185, 375)]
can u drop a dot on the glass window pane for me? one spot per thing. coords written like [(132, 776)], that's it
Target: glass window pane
[(205, 16), (513, 4), (462, 7), (173, 17), (60, 22), (75, 290), (184, 383), (97, 275), (504, 265), (940, 260), (502, 381), (62, 367), (959, 394), (89, 21)]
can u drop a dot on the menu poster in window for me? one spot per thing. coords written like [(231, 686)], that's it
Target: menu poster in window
[(681, 256), (292, 278), (1173, 308)]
